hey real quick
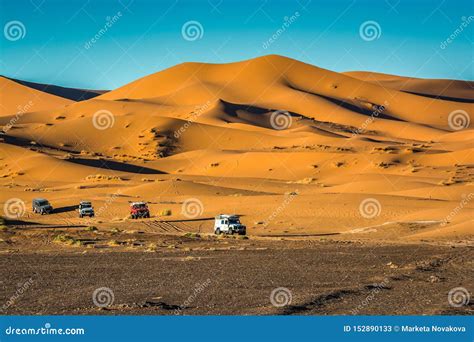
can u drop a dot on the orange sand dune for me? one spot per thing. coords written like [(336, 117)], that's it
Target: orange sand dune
[(282, 142), (18, 99), (442, 88)]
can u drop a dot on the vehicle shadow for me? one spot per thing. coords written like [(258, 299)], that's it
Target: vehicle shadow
[(64, 209)]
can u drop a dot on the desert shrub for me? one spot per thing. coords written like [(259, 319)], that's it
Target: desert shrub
[(165, 212)]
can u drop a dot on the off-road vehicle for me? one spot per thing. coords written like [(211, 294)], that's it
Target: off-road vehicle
[(139, 210), (85, 209), (42, 206), (229, 224)]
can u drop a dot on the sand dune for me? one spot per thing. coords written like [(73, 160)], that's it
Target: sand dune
[(244, 136), (19, 99)]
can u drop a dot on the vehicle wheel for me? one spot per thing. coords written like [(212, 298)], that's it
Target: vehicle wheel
[(147, 215), (218, 231), (80, 216), (230, 232), (42, 212)]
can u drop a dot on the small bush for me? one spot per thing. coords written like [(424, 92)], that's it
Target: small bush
[(66, 239), (192, 235), (165, 212), (91, 229), (3, 224)]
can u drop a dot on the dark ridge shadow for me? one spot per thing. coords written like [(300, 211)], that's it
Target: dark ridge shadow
[(348, 106), (232, 108), (67, 93), (16, 222), (64, 209), (116, 166), (441, 97)]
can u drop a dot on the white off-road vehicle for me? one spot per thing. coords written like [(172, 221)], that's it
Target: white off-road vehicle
[(85, 209), (228, 224)]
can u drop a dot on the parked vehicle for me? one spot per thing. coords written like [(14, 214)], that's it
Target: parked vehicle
[(229, 224), (85, 209), (139, 210), (42, 206)]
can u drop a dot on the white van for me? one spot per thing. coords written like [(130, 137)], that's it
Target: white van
[(228, 224)]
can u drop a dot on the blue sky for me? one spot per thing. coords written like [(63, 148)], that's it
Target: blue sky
[(147, 37)]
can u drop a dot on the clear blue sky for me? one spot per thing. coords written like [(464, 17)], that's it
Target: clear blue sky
[(147, 37)]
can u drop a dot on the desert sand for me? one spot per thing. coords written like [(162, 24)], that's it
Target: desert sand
[(209, 132)]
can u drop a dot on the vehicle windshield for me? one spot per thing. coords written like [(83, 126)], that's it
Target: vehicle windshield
[(43, 203), (234, 221), (86, 205), (139, 206)]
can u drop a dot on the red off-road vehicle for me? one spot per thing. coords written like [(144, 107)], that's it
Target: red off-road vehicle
[(139, 210)]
